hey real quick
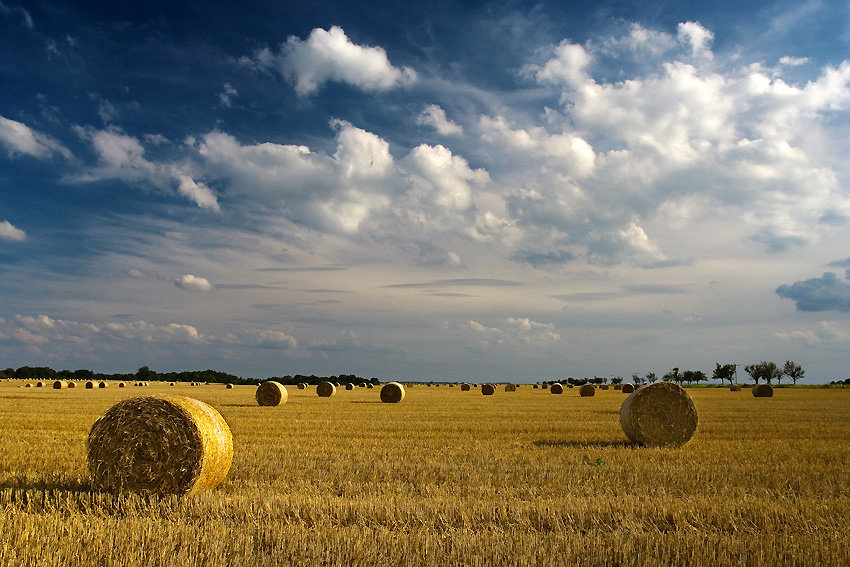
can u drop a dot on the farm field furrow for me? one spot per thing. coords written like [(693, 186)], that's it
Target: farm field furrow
[(443, 478)]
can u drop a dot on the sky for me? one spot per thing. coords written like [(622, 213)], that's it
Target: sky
[(488, 191)]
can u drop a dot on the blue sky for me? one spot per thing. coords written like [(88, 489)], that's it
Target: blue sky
[(484, 191)]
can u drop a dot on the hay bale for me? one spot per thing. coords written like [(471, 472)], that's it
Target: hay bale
[(103, 384), (536, 386), (39, 384), (89, 385), (28, 385), (659, 414), (545, 386), (735, 388), (465, 387), (161, 445), (763, 391), (556, 389), (271, 393), (301, 385), (392, 393), (325, 389), (587, 391), (72, 384), (618, 386), (603, 387), (628, 388), (510, 387), (121, 384), (488, 389), (60, 385), (171, 383), (229, 386), (349, 386)]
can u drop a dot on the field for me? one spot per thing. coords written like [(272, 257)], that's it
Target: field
[(444, 478)]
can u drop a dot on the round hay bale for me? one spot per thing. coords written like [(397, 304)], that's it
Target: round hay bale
[(89, 385), (349, 386), (465, 387), (735, 388), (545, 386), (60, 385), (121, 384), (603, 387), (369, 386), (510, 387), (392, 393), (628, 388), (659, 414), (72, 384), (229, 386), (271, 393), (161, 445), (28, 385), (763, 391), (618, 386), (103, 384), (171, 383), (488, 389), (325, 389), (587, 391), (556, 389), (536, 386), (39, 384)]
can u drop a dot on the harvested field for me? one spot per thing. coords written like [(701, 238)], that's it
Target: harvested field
[(442, 479)]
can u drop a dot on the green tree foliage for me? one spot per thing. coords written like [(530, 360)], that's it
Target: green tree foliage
[(793, 371), (764, 370), (724, 372)]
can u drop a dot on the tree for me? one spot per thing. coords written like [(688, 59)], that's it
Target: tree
[(674, 376), (723, 373), (637, 379), (650, 377), (617, 380), (793, 371), (764, 370)]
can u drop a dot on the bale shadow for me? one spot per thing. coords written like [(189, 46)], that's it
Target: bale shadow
[(572, 444)]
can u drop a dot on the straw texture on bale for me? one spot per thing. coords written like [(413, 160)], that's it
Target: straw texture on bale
[(465, 387), (659, 414), (556, 389), (392, 393), (325, 389), (603, 387), (160, 445), (271, 393), (510, 387), (763, 391), (60, 385), (488, 389), (587, 391), (628, 388)]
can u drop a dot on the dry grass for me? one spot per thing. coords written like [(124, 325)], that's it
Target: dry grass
[(443, 479)]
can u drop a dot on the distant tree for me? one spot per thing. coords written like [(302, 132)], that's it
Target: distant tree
[(617, 380), (691, 376), (764, 370), (83, 374), (674, 376), (793, 371), (724, 372), (145, 374), (637, 379), (650, 377)]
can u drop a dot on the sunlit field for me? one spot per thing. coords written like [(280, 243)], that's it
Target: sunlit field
[(443, 478)]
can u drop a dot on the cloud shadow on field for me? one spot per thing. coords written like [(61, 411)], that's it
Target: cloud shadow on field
[(573, 444)]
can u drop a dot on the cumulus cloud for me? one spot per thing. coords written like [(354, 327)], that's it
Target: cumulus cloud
[(9, 232), (568, 67), (18, 138), (826, 293), (198, 193), (444, 179), (435, 117), (193, 283), (698, 38), (515, 331), (827, 332), (329, 55)]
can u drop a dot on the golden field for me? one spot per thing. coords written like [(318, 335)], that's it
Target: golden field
[(444, 478)]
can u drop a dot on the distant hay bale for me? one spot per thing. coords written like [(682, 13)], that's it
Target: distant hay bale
[(392, 393), (60, 385), (587, 391), (229, 386), (763, 391), (488, 389), (28, 385), (72, 384), (349, 386), (121, 384), (368, 386), (628, 388), (603, 387), (556, 389), (39, 384), (545, 386), (465, 387), (618, 386), (271, 393), (103, 384), (89, 385), (361, 385), (659, 414), (301, 385), (160, 445), (536, 386), (171, 383), (735, 387), (510, 387), (325, 389)]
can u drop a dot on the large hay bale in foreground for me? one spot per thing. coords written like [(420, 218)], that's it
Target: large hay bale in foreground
[(392, 393), (659, 414), (465, 387), (587, 391), (271, 393), (628, 388), (160, 445), (60, 385), (325, 389), (488, 389), (556, 389), (763, 391)]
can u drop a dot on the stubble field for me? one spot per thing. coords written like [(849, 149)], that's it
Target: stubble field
[(444, 478)]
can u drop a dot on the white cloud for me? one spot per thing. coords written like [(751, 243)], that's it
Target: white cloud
[(568, 67), (435, 116), (9, 232), (227, 95), (698, 38), (827, 332), (443, 179), (515, 331), (18, 138), (193, 283), (199, 193), (328, 55), (793, 61)]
